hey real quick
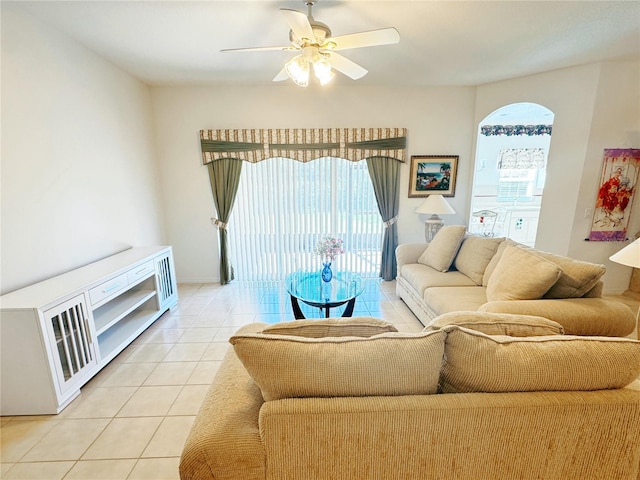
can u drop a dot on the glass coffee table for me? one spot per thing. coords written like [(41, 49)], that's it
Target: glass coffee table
[(309, 288)]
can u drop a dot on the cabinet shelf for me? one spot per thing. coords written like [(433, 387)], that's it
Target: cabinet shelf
[(111, 313), (114, 340)]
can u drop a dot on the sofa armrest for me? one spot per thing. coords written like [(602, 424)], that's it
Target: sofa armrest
[(224, 442), (409, 253), (453, 436), (578, 316)]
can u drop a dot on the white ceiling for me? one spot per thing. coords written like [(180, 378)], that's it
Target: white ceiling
[(441, 42)]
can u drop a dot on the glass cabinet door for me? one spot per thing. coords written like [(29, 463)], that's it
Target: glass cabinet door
[(71, 341)]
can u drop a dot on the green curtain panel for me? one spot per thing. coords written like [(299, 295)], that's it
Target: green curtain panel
[(224, 175), (385, 177)]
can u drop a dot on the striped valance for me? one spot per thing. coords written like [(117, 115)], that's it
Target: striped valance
[(303, 144)]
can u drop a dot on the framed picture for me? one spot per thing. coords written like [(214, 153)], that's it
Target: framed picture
[(433, 174), (620, 173)]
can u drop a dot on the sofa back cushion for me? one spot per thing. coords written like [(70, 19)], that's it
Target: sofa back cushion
[(577, 277), (476, 362), (391, 363), (521, 275), (474, 255), (491, 266), (332, 327), (441, 251), (498, 323)]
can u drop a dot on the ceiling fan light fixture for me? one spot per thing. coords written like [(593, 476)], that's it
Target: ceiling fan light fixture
[(322, 71), (317, 47), (298, 70)]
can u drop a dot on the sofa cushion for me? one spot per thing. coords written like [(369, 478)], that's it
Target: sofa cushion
[(476, 362), (474, 256), (498, 324), (392, 363), (332, 327), (491, 266), (453, 299), (441, 251), (421, 277), (578, 316), (577, 277), (521, 275)]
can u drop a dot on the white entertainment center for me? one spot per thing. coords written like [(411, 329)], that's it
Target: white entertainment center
[(57, 334)]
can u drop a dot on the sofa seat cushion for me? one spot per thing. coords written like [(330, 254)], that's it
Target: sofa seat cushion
[(453, 299), (521, 275), (476, 362), (498, 323), (332, 327), (441, 251), (285, 366), (421, 277), (474, 256)]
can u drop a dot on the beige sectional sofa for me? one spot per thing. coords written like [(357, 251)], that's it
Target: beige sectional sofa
[(459, 272), (472, 396)]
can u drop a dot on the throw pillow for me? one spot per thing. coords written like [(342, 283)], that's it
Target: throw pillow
[(474, 256), (387, 364), (476, 362), (496, 258), (441, 251), (332, 327), (577, 277), (521, 275), (498, 323)]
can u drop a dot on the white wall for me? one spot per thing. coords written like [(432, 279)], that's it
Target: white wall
[(79, 178), (616, 124), (596, 106), (439, 121)]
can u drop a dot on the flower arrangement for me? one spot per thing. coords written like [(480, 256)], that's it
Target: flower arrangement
[(329, 248)]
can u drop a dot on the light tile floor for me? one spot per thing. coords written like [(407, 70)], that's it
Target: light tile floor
[(132, 418)]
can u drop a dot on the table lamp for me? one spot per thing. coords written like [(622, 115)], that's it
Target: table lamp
[(629, 256), (434, 205)]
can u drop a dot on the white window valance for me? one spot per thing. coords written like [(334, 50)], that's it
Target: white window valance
[(521, 158), (303, 144)]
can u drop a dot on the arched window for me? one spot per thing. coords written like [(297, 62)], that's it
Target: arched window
[(511, 158)]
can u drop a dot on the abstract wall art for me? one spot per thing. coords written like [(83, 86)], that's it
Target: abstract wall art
[(616, 189)]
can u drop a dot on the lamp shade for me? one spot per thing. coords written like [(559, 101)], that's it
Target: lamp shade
[(629, 255), (435, 204)]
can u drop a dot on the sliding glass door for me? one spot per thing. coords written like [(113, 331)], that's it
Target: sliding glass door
[(284, 207)]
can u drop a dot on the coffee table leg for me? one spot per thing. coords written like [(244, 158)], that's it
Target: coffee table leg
[(349, 310), (297, 313)]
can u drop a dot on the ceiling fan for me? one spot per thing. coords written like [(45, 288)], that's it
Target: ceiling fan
[(318, 48)]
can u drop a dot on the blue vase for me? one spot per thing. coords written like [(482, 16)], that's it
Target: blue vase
[(326, 272)]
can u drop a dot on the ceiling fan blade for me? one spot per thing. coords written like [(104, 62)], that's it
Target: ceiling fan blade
[(259, 49), (282, 75), (346, 66), (384, 36), (299, 23)]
